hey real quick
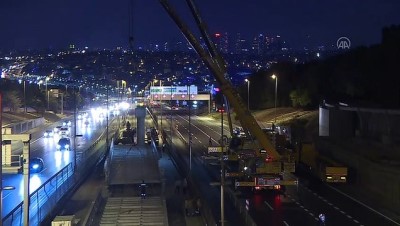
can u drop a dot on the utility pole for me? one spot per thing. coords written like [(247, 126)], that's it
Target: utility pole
[(161, 97), (107, 141), (25, 96), (62, 103), (222, 168), (1, 157), (190, 136), (75, 166)]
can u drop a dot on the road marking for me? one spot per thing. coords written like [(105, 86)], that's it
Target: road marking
[(365, 205), (356, 221), (285, 223), (348, 216), (266, 203)]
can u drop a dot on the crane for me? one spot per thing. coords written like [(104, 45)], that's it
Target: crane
[(268, 171)]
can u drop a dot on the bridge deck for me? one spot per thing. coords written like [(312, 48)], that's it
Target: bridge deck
[(134, 211), (131, 164)]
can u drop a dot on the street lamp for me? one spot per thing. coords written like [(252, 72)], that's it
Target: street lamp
[(221, 110), (47, 93), (25, 96), (248, 93), (276, 92)]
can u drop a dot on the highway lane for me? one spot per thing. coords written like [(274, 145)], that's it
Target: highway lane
[(54, 160), (302, 204), (201, 175)]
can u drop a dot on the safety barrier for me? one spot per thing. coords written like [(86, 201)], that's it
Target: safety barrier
[(95, 210), (43, 201), (21, 127), (205, 209)]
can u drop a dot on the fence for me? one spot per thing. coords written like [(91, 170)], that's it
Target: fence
[(205, 209), (21, 127), (43, 201)]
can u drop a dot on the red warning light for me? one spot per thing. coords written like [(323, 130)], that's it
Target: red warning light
[(217, 35)]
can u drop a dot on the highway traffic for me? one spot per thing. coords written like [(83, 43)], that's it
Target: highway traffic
[(297, 205), (54, 156)]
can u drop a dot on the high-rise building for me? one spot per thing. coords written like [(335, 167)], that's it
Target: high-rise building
[(222, 42)]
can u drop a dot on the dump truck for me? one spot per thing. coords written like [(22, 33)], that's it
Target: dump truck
[(309, 159)]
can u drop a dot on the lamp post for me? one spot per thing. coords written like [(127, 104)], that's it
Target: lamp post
[(248, 93), (161, 96), (222, 168), (24, 96), (47, 93), (276, 92), (190, 134)]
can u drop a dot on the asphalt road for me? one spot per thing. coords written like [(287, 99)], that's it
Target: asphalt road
[(54, 160), (299, 205)]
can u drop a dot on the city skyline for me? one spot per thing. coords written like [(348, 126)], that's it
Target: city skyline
[(103, 24)]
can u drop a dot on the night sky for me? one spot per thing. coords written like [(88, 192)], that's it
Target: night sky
[(39, 24)]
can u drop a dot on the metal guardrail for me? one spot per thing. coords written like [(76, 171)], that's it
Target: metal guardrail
[(47, 194), (205, 210), (183, 166), (95, 210), (44, 200)]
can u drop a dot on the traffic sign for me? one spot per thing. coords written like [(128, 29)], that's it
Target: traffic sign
[(289, 167), (230, 157), (214, 149), (233, 174), (272, 167), (289, 182), (245, 184)]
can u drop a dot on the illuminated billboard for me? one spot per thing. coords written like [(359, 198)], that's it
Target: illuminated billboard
[(174, 90)]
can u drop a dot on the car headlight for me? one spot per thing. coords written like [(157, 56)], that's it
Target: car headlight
[(66, 146), (46, 134), (35, 166), (58, 146)]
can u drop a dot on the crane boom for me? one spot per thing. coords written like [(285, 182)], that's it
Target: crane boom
[(214, 65)]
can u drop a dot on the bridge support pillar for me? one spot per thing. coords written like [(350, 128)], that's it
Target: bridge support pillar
[(140, 130)]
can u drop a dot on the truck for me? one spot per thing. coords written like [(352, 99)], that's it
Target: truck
[(319, 165)]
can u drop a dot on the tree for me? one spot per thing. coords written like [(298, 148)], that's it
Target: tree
[(300, 98), (12, 100)]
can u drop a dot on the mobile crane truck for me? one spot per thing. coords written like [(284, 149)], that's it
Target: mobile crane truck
[(265, 174)]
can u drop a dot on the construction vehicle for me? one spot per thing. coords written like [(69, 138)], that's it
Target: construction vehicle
[(259, 173), (308, 159)]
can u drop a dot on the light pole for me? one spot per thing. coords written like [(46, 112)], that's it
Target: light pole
[(276, 92), (222, 168), (161, 96), (190, 135), (47, 93), (248, 93), (24, 96)]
